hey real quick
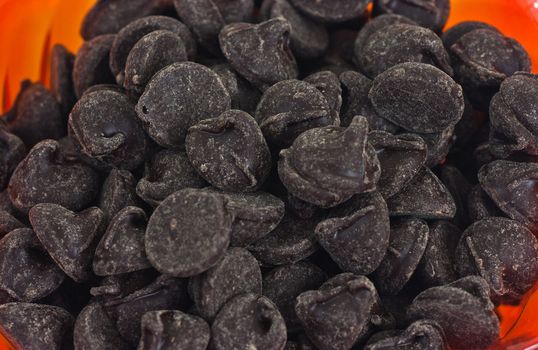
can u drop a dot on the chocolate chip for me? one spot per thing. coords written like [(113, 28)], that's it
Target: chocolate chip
[(129, 36), (511, 186), (291, 107), (422, 334), (35, 326), (27, 273), (504, 253), (425, 197), (61, 77), (105, 127), (255, 215), (118, 192), (70, 238), (335, 316), (408, 240), (426, 99), (480, 205), (178, 97), (427, 13), (188, 233), (326, 166), (91, 64), (150, 54), (259, 52), (230, 151), (356, 234), (236, 273), (95, 330), (121, 249), (248, 320), (12, 152), (283, 284), (244, 96)]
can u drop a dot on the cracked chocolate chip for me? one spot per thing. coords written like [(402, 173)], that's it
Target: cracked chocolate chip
[(335, 316), (356, 234), (91, 64), (206, 18), (408, 240), (121, 249), (229, 151), (236, 273), (27, 273), (35, 326), (260, 52), (105, 127), (35, 115), (424, 197), (47, 176), (69, 237), (178, 97), (399, 43), (477, 325), (284, 283), (130, 35), (401, 158), (150, 54), (255, 215), (331, 11), (437, 266), (160, 329), (188, 233), (308, 39), (326, 166), (62, 62), (290, 108), (418, 97), (511, 186), (166, 172), (513, 112), (432, 14), (165, 293), (504, 253), (248, 320)]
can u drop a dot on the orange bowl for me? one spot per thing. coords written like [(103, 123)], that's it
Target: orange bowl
[(29, 29)]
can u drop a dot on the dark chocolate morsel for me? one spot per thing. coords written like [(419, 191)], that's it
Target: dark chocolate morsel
[(504, 253), (260, 52), (188, 233), (118, 192), (179, 96), (326, 166), (248, 321), (424, 197), (121, 249), (356, 234), (431, 14), (331, 11), (35, 326), (70, 238), (46, 175), (61, 78), (418, 97), (420, 335), (408, 240), (12, 152), (27, 273), (229, 151), (236, 273)]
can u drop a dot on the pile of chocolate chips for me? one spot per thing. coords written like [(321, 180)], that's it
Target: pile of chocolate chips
[(285, 174)]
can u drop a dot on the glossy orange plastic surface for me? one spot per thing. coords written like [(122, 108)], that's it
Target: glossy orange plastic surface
[(29, 29)]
